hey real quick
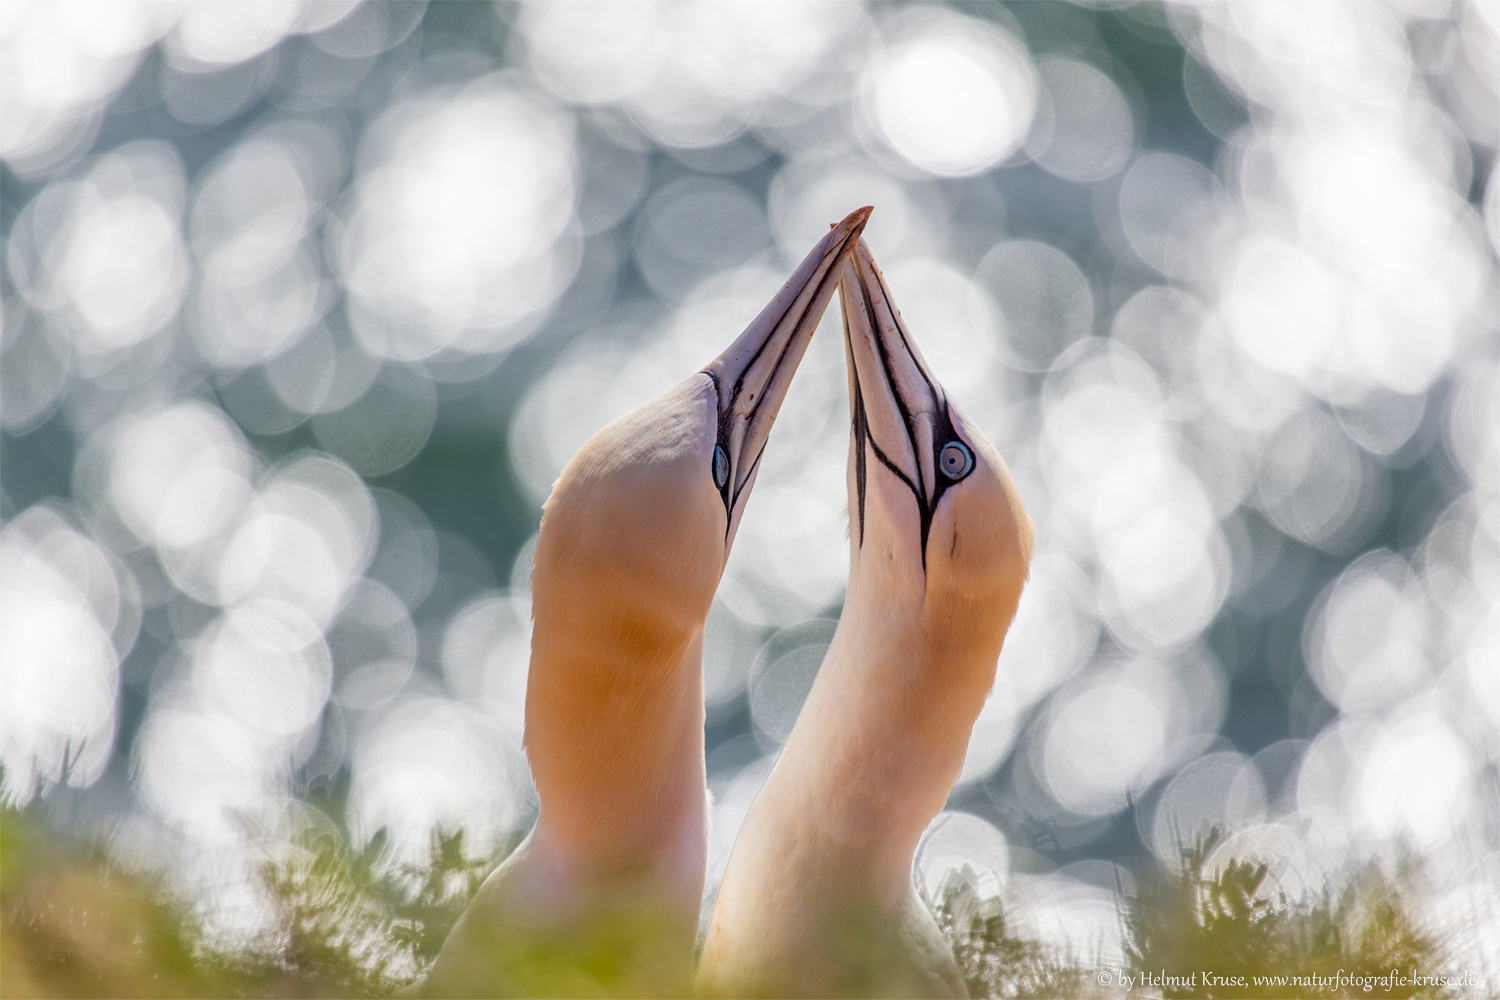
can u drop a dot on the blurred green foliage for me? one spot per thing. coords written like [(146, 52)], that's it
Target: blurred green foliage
[(1228, 925), (344, 921), (349, 921), (1201, 932), (994, 961), (623, 944), (347, 916), (73, 923)]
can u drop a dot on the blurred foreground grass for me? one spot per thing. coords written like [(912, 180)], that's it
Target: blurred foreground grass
[(1230, 923), (995, 962), (348, 921), (343, 921)]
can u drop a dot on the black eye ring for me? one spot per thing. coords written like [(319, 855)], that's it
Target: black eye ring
[(721, 466), (956, 460)]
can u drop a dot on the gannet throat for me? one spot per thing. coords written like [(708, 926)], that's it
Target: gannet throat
[(603, 896)]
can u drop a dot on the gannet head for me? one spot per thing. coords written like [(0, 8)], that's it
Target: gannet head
[(641, 520), (936, 523)]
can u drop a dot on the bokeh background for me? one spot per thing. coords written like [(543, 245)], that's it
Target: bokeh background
[(306, 304)]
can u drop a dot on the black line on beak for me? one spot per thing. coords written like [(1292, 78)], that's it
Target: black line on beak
[(860, 428), (749, 475)]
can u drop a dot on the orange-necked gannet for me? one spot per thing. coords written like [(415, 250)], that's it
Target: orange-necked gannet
[(817, 897), (603, 896)]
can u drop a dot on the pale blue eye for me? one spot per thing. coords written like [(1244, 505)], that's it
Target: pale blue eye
[(956, 460), (721, 466)]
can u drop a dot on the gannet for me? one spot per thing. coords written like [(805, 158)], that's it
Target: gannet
[(817, 897), (603, 895)]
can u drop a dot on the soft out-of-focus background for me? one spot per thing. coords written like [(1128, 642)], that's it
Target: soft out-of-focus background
[(305, 305)]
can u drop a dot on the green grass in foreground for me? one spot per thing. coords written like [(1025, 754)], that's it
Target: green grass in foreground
[(73, 923), (347, 922), (1229, 928), (995, 962)]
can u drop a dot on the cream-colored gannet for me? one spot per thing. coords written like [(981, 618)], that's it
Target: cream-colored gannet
[(817, 897), (603, 896)]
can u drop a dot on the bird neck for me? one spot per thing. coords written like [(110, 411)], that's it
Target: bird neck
[(615, 742), (881, 739)]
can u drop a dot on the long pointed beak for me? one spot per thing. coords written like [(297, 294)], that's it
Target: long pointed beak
[(899, 413), (752, 376)]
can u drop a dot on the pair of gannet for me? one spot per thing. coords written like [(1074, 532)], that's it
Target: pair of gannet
[(603, 896)]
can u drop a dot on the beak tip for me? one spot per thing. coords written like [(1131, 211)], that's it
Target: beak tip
[(854, 222)]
